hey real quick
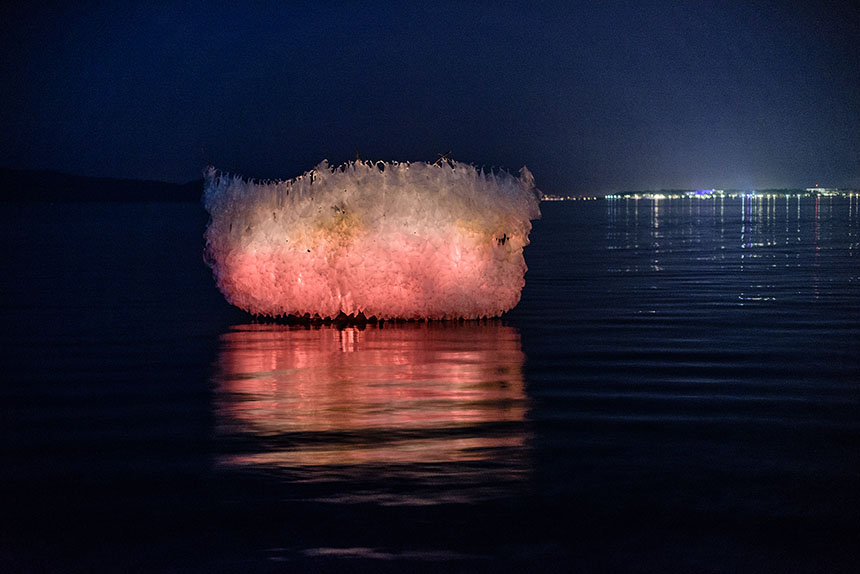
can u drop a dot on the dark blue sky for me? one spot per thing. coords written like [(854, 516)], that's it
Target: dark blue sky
[(593, 96)]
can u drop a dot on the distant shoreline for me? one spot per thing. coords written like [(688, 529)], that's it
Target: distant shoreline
[(47, 186), (34, 186), (714, 194)]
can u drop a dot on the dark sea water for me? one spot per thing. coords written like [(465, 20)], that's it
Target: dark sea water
[(678, 391)]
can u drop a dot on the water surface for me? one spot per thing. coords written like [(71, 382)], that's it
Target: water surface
[(677, 391)]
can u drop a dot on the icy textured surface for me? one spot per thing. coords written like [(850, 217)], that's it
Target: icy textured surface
[(391, 240)]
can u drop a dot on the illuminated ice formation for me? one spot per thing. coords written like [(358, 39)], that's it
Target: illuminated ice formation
[(391, 240)]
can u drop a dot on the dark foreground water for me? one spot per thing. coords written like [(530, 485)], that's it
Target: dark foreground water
[(679, 390)]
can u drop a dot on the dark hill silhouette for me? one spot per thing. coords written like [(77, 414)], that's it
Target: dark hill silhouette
[(22, 186)]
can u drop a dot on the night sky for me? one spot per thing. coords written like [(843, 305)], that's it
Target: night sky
[(593, 97)]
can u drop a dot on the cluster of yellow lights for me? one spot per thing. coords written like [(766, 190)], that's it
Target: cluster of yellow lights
[(712, 194), (719, 194)]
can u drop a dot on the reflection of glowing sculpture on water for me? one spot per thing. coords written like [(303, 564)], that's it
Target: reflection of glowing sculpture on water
[(391, 240), (403, 395)]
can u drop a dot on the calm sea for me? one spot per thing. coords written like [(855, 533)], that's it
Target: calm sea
[(679, 390)]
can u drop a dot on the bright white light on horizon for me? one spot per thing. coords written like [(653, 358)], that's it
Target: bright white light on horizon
[(387, 239)]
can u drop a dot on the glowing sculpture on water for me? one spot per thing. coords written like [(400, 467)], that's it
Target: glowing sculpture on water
[(390, 240)]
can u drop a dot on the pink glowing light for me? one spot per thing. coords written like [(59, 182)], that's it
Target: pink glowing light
[(391, 240)]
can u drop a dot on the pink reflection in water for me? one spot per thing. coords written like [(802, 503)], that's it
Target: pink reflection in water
[(398, 395)]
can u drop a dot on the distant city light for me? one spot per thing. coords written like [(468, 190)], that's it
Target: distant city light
[(734, 193)]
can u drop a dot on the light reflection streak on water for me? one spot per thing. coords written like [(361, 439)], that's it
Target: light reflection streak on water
[(309, 399), (782, 249)]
